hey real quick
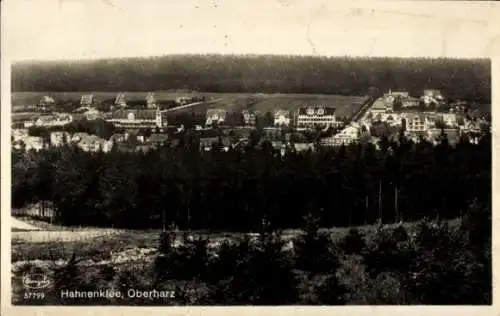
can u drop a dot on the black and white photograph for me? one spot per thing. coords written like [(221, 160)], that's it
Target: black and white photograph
[(280, 153)]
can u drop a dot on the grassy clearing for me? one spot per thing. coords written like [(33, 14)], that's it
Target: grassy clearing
[(118, 241), (103, 254), (234, 102)]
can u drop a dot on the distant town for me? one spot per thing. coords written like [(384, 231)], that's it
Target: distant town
[(141, 125)]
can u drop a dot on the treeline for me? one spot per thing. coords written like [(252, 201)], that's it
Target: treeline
[(241, 190), (458, 78)]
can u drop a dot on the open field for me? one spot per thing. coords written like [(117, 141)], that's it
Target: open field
[(234, 102)]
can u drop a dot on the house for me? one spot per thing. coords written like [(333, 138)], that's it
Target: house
[(87, 100), (347, 135), (136, 119), (393, 119), (416, 122), (46, 100), (248, 117), (59, 138), (434, 93), (432, 96), (215, 116), (281, 118), (31, 143), (450, 119), (320, 116), (120, 100), (410, 102), (92, 114), (470, 126), (94, 143), (19, 134), (151, 101)]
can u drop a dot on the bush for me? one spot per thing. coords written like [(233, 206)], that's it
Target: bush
[(452, 279), (314, 250), (185, 262), (386, 255), (165, 242), (476, 224), (262, 276), (331, 292), (353, 242)]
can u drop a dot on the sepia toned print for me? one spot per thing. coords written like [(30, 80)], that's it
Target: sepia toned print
[(265, 178)]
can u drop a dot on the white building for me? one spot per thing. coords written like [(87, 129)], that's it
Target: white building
[(58, 138), (87, 100), (151, 100), (432, 96), (30, 143), (282, 118), (120, 100), (215, 116), (347, 135), (249, 117), (46, 100), (393, 119), (308, 117), (146, 118), (417, 122), (50, 120), (450, 119), (19, 134), (92, 114), (94, 143)]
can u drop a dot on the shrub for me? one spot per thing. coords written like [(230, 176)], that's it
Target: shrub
[(353, 242), (314, 250), (451, 279), (185, 262), (331, 292), (262, 276), (386, 255), (386, 289), (165, 242)]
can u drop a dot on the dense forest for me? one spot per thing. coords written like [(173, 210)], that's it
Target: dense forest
[(240, 190), (458, 78)]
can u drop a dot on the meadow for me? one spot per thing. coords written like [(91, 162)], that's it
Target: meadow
[(233, 102)]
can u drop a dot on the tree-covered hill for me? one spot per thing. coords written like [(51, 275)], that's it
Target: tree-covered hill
[(458, 78)]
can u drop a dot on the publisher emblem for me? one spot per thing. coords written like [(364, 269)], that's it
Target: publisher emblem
[(35, 281)]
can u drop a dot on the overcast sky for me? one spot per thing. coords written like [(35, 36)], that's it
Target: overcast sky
[(74, 29)]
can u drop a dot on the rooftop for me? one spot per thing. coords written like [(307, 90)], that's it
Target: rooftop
[(316, 110), (145, 114)]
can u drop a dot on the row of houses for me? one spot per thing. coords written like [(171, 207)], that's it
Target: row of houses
[(49, 120), (86, 142), (303, 117), (89, 100)]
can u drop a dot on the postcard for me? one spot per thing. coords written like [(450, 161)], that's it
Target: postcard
[(240, 157)]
